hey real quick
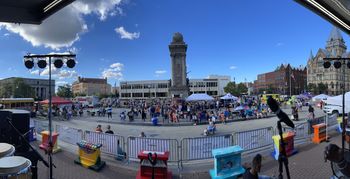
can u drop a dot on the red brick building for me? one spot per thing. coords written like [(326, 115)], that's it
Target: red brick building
[(279, 81)]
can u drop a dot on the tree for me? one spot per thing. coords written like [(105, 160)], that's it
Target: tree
[(270, 89), (17, 89), (322, 88), (234, 89), (64, 91), (312, 88)]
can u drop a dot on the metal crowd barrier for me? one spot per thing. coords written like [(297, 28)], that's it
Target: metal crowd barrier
[(41, 126), (137, 144), (109, 141), (69, 134), (201, 147), (253, 139), (301, 131), (314, 122), (332, 121)]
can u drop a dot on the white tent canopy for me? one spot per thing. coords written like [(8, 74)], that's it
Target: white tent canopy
[(199, 97), (338, 99), (229, 96), (320, 97)]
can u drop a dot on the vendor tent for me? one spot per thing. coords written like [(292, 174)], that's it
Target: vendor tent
[(229, 96), (56, 101), (199, 97), (320, 97)]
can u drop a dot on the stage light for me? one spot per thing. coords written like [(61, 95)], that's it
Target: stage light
[(337, 64), (58, 63), (42, 63), (326, 64), (70, 63), (29, 63)]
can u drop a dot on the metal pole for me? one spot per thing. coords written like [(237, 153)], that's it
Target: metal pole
[(50, 122), (343, 132), (290, 82)]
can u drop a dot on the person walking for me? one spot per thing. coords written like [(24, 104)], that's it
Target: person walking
[(109, 112), (311, 112)]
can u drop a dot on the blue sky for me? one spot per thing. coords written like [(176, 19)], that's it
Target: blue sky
[(240, 38)]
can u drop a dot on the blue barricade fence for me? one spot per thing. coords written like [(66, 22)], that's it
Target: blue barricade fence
[(69, 134), (109, 141), (201, 147), (254, 139)]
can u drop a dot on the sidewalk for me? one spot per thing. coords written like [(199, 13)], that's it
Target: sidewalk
[(307, 163)]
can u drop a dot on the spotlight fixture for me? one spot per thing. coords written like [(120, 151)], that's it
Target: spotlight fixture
[(58, 63), (337, 64), (29, 63), (326, 64), (42, 63), (70, 63)]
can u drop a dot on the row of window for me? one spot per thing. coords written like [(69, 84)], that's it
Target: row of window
[(144, 86), (203, 84), (146, 95)]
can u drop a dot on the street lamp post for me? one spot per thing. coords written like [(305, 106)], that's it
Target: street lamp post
[(338, 63), (41, 61)]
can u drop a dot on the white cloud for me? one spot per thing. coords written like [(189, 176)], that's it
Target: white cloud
[(63, 74), (110, 73), (159, 72), (115, 71), (117, 66), (61, 83), (127, 35), (6, 34), (233, 67), (35, 72), (64, 28)]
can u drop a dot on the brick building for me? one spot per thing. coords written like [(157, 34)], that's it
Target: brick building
[(280, 81), (91, 86)]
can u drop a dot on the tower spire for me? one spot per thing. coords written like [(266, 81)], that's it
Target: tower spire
[(311, 55)]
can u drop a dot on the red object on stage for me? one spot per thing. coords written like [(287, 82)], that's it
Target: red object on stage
[(160, 169)]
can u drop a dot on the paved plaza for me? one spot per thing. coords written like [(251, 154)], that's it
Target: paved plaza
[(173, 131)]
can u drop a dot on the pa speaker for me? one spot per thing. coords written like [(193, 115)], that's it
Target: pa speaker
[(20, 120)]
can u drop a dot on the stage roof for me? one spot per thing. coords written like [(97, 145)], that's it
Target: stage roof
[(335, 11), (29, 11)]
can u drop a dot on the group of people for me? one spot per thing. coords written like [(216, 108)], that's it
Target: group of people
[(108, 129)]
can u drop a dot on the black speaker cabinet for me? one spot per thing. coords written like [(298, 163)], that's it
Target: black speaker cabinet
[(20, 119)]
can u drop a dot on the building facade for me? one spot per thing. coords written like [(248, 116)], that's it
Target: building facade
[(91, 86), (284, 80), (332, 78), (213, 85), (40, 86)]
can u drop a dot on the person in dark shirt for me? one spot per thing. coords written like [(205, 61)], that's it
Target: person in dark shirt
[(109, 131), (252, 173)]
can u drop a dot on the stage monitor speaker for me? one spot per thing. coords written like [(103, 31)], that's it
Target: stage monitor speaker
[(20, 119)]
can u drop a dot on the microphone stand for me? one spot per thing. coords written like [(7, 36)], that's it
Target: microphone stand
[(282, 158), (37, 156)]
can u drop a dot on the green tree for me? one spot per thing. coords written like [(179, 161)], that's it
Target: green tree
[(322, 88), (242, 88), (270, 89), (17, 89), (312, 88), (234, 89), (65, 91)]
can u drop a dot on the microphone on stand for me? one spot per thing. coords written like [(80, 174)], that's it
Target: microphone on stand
[(280, 114)]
